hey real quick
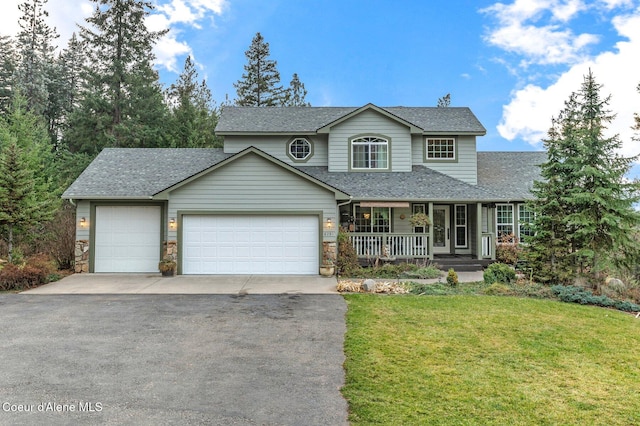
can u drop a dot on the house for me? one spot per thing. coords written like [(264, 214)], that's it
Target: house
[(271, 201)]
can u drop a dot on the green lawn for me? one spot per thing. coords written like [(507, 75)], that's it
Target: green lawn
[(478, 360)]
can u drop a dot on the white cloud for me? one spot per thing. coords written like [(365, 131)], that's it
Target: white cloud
[(169, 14), (528, 115)]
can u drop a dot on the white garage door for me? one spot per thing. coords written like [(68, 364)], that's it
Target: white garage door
[(250, 244), (127, 238)]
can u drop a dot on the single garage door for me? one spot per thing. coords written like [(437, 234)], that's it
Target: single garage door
[(127, 238), (216, 244)]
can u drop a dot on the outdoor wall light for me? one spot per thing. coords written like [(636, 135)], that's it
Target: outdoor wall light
[(367, 216), (329, 223), (172, 223), (83, 222)]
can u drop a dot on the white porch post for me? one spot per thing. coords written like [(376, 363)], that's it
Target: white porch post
[(479, 230), (430, 213)]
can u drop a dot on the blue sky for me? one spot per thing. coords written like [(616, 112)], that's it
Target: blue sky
[(513, 63)]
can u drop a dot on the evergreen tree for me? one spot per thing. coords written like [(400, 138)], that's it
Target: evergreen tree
[(121, 102), (296, 93), (193, 113), (584, 207), (260, 83), (444, 101), (36, 52), (28, 193), (7, 69)]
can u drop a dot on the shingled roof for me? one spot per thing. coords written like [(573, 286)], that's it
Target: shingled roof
[(307, 120), (141, 173)]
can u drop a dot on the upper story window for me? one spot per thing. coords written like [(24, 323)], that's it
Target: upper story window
[(370, 152), (441, 149), (299, 149)]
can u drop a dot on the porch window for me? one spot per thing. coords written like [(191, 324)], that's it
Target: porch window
[(504, 219), (370, 152), (372, 219), (441, 149), (525, 218), (461, 225)]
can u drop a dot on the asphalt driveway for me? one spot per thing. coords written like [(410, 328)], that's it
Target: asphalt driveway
[(172, 359)]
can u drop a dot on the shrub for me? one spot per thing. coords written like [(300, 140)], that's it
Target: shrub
[(36, 271), (498, 289), (575, 294), (347, 260), (508, 249), (452, 278), (424, 273), (499, 273)]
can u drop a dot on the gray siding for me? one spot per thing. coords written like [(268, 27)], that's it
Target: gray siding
[(83, 210), (370, 123), (466, 166), (277, 146), (252, 183)]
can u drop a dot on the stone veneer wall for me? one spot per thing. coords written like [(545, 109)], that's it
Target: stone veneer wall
[(329, 251), (82, 256), (170, 248)]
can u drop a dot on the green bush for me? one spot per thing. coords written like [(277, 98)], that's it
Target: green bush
[(437, 289), (499, 273), (497, 289), (452, 278), (575, 294), (424, 273)]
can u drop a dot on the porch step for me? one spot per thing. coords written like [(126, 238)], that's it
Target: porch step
[(461, 264)]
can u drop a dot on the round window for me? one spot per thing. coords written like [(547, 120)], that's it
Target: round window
[(300, 149)]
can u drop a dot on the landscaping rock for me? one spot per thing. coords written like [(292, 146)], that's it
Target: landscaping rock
[(369, 285)]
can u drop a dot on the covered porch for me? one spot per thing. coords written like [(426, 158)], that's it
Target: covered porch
[(384, 230)]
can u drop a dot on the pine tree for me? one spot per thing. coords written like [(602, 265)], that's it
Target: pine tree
[(296, 93), (584, 207), (259, 85), (29, 194), (444, 101), (193, 112), (35, 53), (121, 103), (7, 69)]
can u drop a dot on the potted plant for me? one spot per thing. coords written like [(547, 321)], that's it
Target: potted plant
[(327, 269), (167, 266), (419, 220)]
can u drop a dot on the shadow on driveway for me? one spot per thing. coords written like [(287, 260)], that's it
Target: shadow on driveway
[(172, 359)]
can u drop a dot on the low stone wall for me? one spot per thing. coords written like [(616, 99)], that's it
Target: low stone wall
[(82, 256)]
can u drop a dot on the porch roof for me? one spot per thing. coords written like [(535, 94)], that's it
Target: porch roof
[(421, 184), (510, 175)]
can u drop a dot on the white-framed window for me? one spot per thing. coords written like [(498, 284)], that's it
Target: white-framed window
[(461, 225), (372, 219), (525, 219), (504, 219), (299, 149), (369, 152), (441, 148)]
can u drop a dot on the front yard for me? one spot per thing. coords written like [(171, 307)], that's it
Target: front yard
[(478, 360)]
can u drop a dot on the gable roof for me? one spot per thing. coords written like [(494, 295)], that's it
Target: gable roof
[(306, 120), (139, 173)]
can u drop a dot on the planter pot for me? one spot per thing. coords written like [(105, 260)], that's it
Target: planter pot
[(169, 273), (327, 270)]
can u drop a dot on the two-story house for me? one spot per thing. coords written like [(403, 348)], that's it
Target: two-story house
[(271, 200)]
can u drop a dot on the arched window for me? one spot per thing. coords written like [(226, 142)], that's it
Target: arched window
[(370, 152)]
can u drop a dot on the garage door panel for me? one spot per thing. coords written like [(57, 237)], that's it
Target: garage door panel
[(250, 244), (127, 238)]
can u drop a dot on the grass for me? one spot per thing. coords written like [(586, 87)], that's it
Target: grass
[(470, 360)]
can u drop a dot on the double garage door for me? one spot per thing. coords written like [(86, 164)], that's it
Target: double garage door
[(260, 244), (128, 238)]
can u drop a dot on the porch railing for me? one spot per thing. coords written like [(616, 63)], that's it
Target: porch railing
[(488, 246), (402, 246)]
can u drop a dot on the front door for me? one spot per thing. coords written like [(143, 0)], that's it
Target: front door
[(441, 231)]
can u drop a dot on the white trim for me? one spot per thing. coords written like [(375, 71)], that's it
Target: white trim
[(456, 226), (505, 223), (370, 141), (453, 152)]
